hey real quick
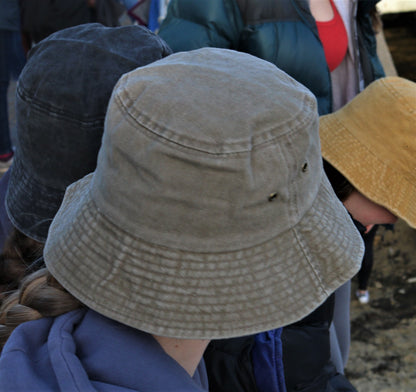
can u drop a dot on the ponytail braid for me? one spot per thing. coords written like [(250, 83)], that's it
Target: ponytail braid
[(40, 295)]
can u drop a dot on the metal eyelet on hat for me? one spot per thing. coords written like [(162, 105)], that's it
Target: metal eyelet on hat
[(305, 167), (272, 196)]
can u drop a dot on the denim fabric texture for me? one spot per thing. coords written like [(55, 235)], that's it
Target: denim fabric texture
[(61, 102)]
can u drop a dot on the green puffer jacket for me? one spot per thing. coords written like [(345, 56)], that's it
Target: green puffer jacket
[(280, 31)]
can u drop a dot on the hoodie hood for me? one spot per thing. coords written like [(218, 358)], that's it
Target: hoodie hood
[(84, 351)]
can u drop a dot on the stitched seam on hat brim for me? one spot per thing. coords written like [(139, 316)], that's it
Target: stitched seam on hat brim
[(19, 212), (113, 313), (263, 247), (27, 231), (293, 126), (195, 333), (146, 325), (134, 322), (44, 189), (296, 235)]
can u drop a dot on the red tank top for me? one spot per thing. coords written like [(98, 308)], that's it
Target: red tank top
[(334, 39)]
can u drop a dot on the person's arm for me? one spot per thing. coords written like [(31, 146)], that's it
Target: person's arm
[(193, 24)]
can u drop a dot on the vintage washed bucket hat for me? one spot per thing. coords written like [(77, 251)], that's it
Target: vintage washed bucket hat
[(372, 142), (61, 101), (209, 215)]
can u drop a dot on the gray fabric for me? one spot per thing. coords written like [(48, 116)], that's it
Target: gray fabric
[(209, 215), (340, 334)]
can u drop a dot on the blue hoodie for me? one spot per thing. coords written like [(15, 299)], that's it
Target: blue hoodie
[(82, 351)]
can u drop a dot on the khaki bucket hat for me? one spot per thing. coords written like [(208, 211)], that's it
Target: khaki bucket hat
[(372, 142), (209, 214)]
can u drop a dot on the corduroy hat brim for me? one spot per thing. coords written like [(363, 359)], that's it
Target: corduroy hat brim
[(372, 142), (188, 295), (209, 214)]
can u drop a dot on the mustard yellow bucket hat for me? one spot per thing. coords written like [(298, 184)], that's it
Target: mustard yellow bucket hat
[(372, 142)]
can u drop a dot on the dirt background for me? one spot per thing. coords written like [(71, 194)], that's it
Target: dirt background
[(383, 347)]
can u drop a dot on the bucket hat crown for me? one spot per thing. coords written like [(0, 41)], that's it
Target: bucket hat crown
[(208, 215)]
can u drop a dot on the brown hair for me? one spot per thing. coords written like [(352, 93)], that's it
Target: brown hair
[(341, 186), (19, 253), (39, 295), (376, 20)]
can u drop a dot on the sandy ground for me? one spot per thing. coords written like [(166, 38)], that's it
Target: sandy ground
[(383, 349)]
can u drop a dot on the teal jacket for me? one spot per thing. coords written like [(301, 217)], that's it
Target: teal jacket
[(280, 31)]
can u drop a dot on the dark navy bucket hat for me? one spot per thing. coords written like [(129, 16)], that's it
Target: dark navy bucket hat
[(61, 101)]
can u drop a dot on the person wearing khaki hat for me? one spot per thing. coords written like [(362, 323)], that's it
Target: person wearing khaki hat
[(370, 151), (208, 216)]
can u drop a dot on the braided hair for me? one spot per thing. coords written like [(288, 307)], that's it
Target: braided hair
[(39, 295)]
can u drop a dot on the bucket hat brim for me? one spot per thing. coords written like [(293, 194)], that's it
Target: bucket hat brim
[(181, 294), (30, 216)]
